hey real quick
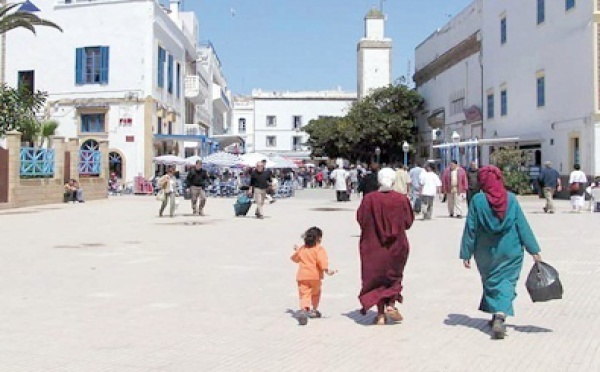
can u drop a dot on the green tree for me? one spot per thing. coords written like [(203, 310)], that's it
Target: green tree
[(384, 119), (18, 108), (329, 136), (11, 19), (48, 129), (512, 163)]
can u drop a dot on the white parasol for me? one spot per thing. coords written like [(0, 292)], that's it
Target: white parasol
[(253, 158), (192, 159), (282, 163), (169, 160), (223, 159)]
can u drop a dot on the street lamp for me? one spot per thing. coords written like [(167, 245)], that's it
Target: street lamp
[(377, 153), (405, 148)]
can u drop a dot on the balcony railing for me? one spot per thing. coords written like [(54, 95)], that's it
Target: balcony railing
[(192, 86)]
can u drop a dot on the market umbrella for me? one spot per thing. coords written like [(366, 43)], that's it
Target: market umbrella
[(192, 159), (169, 160), (223, 159), (251, 159), (282, 163)]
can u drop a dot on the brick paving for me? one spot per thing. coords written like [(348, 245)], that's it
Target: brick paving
[(108, 286)]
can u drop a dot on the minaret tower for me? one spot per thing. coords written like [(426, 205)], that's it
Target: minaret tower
[(374, 55)]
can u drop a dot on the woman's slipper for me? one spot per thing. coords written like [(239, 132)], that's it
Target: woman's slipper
[(379, 320), (393, 314)]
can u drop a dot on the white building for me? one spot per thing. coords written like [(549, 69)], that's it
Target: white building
[(540, 77), (448, 76), (123, 71), (243, 122), (374, 55), (280, 116)]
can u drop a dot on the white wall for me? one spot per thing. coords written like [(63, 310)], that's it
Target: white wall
[(244, 110), (132, 30), (377, 70), (374, 29), (465, 77), (52, 53), (285, 110), (563, 47), (463, 25)]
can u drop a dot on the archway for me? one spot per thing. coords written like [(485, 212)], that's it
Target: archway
[(89, 159), (116, 163)]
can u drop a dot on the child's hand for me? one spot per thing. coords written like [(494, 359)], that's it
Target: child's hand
[(331, 272), (296, 247)]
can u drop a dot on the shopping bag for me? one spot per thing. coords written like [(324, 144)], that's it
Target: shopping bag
[(543, 283), (161, 196)]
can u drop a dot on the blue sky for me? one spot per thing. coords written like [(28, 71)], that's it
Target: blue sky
[(309, 44)]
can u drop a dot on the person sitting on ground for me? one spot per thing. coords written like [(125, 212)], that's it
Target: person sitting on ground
[(73, 192)]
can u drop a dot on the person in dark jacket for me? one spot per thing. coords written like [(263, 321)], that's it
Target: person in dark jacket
[(369, 182), (549, 180), (197, 181), (473, 181)]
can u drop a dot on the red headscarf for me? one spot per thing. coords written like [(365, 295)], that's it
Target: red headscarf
[(492, 184)]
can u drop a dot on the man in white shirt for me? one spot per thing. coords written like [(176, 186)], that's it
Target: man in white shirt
[(430, 186), (403, 181), (340, 178)]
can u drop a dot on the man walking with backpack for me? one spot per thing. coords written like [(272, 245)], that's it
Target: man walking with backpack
[(197, 181)]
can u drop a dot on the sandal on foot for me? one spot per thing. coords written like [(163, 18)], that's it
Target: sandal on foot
[(314, 314), (379, 320), (302, 318), (393, 314)]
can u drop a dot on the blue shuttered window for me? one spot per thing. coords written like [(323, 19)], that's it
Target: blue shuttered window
[(504, 102), (541, 11), (104, 65), (79, 57), (170, 74), (178, 82), (503, 31), (162, 54), (569, 4), (541, 91), (92, 65), (490, 106)]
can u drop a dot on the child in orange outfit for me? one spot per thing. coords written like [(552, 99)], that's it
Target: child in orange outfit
[(312, 263)]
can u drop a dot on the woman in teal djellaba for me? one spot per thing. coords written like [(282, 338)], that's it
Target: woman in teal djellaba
[(496, 231)]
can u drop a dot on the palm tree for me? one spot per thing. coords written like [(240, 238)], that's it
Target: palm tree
[(48, 129), (9, 20)]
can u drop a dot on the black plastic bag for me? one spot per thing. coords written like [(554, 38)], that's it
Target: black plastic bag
[(543, 283)]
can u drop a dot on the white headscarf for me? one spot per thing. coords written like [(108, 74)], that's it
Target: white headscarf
[(386, 178)]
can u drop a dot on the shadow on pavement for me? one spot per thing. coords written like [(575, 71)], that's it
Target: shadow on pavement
[(359, 318), (483, 325)]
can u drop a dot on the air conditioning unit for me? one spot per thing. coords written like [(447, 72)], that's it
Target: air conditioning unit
[(436, 134)]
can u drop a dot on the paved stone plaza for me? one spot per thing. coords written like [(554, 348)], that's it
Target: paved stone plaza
[(108, 286)]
